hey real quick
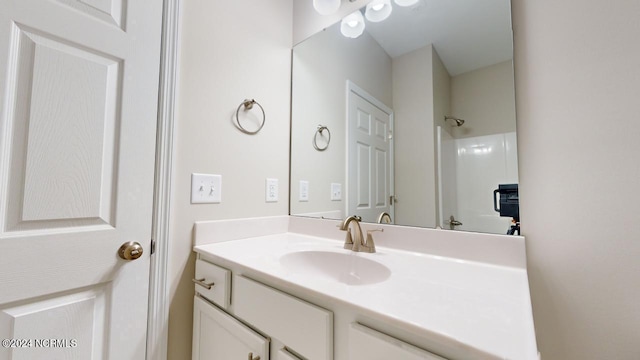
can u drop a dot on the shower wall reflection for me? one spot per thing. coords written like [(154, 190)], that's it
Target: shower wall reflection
[(484, 99), (477, 156), (469, 169)]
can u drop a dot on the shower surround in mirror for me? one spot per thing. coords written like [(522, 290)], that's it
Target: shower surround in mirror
[(446, 72), (468, 170)]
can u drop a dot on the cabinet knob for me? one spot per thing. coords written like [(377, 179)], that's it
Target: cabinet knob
[(253, 358)]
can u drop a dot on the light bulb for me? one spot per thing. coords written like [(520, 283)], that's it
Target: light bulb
[(378, 10), (352, 25), (326, 7), (406, 2)]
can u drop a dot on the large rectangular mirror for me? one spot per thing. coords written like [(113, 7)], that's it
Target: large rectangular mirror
[(414, 117)]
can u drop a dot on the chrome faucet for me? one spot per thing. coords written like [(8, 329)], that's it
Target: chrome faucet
[(383, 216), (356, 243)]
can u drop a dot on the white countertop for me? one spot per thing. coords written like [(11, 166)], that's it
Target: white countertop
[(481, 307)]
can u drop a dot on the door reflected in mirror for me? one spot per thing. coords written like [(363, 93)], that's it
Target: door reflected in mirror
[(418, 115)]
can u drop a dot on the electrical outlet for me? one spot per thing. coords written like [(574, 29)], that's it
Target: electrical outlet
[(304, 191), (206, 189), (336, 192), (271, 190)]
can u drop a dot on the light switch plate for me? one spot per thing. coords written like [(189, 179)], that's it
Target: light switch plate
[(304, 191), (271, 190), (336, 192), (206, 188)]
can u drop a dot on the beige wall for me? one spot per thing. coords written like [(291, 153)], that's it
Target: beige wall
[(229, 51), (578, 101), (485, 99), (414, 138), (441, 91), (321, 67)]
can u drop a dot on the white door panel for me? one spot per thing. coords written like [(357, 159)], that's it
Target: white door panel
[(370, 170), (78, 88)]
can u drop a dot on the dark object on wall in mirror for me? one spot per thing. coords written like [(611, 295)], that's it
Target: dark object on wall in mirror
[(509, 205), (514, 228)]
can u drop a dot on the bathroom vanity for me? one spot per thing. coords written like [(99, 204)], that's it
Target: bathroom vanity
[(285, 288)]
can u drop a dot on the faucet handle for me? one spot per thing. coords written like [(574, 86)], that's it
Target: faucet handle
[(369, 245)]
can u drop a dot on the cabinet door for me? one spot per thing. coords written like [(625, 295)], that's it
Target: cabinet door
[(368, 344), (219, 336), (283, 354)]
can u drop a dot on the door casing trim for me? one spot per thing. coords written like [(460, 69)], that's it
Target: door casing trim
[(158, 311)]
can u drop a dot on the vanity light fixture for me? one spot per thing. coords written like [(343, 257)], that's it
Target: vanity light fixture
[(352, 25), (406, 2), (378, 10), (326, 7)]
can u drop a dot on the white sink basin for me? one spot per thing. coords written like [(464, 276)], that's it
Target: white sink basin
[(348, 268)]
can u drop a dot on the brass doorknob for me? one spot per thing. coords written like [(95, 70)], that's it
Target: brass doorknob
[(130, 250)]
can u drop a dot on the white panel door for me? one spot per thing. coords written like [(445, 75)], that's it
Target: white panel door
[(369, 161), (78, 88)]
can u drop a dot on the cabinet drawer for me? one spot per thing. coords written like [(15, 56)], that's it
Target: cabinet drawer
[(368, 344), (305, 328), (213, 283)]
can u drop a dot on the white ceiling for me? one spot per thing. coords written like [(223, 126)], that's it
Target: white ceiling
[(467, 34)]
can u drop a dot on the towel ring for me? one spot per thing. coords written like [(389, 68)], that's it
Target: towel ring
[(248, 105), (321, 128)]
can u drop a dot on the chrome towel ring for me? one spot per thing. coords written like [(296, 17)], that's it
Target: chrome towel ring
[(248, 105), (321, 128)]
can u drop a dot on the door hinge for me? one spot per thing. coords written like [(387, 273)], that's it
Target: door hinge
[(153, 246)]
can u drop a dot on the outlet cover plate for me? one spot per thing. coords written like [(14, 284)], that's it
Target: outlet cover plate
[(271, 190), (304, 191), (336, 192)]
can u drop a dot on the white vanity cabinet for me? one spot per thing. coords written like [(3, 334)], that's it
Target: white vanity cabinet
[(213, 283), (368, 344), (291, 280), (301, 326), (239, 318), (236, 317), (219, 336), (284, 354)]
